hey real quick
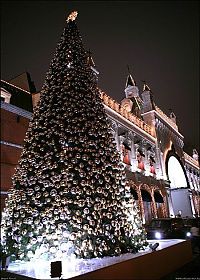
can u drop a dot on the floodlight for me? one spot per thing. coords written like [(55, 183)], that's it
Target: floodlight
[(56, 269), (154, 246)]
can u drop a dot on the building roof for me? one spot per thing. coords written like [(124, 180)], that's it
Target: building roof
[(130, 81), (19, 97), (24, 81)]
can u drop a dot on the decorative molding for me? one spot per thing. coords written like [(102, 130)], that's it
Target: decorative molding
[(191, 160), (11, 144), (3, 192), (114, 105), (16, 110), (166, 118), (21, 89)]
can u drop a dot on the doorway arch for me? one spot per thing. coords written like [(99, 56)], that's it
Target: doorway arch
[(179, 200)]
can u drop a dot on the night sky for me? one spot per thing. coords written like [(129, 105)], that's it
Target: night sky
[(159, 40)]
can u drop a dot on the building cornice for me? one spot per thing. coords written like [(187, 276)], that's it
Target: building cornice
[(165, 120), (114, 106), (124, 122), (16, 110), (16, 87), (11, 144), (190, 160)]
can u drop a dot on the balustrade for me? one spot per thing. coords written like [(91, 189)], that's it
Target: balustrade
[(107, 100)]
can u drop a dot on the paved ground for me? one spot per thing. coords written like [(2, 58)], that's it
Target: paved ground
[(11, 276), (190, 271)]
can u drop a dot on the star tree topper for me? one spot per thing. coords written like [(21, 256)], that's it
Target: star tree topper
[(72, 16)]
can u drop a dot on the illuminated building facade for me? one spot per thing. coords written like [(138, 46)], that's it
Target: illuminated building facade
[(16, 111), (164, 179)]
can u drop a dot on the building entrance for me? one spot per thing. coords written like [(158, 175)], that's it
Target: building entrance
[(179, 195)]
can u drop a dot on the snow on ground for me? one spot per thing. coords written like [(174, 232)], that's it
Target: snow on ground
[(72, 267)]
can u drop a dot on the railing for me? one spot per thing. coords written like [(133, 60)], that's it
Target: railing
[(107, 100), (191, 159), (166, 118)]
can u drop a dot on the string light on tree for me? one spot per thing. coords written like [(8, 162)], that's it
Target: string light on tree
[(69, 195)]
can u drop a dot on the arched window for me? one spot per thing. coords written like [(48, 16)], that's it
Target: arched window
[(140, 159), (146, 197), (126, 153), (176, 174), (134, 194), (152, 167), (159, 202)]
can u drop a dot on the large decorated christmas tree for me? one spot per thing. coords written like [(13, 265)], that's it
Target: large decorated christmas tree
[(69, 192)]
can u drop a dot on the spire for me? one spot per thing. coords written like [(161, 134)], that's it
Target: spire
[(146, 87), (195, 154), (148, 103), (172, 116), (131, 90), (132, 102), (91, 64), (130, 81), (90, 60)]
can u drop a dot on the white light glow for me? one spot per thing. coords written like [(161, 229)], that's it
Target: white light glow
[(188, 234), (158, 235), (176, 174), (72, 267)]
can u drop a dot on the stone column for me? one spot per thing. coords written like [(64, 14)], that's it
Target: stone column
[(146, 161), (159, 161), (192, 204), (159, 167), (154, 208), (170, 205), (133, 157), (114, 126), (141, 206), (120, 141)]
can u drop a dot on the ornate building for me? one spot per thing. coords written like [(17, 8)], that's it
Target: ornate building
[(164, 179)]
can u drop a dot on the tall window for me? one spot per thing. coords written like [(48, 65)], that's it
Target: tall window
[(152, 165), (140, 159), (126, 154), (176, 174)]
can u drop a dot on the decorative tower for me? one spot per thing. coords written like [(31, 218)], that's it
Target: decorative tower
[(132, 102), (195, 154), (91, 64), (148, 103), (69, 194), (172, 116)]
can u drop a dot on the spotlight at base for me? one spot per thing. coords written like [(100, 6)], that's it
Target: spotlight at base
[(188, 234), (158, 235), (56, 269), (154, 246)]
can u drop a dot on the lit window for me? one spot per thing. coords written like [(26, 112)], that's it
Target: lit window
[(176, 174), (5, 96), (126, 155), (140, 156)]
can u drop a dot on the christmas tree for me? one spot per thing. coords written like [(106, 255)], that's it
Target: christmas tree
[(69, 192)]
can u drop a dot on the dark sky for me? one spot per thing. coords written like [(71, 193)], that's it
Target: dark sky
[(159, 40)]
